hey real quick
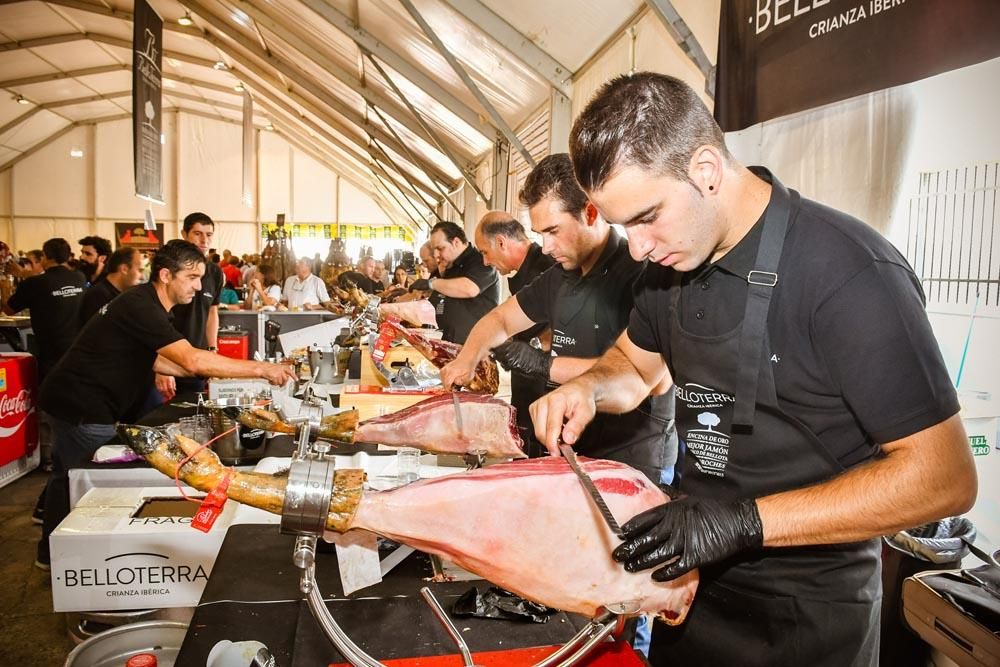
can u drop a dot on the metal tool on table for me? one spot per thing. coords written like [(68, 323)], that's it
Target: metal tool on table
[(588, 485)]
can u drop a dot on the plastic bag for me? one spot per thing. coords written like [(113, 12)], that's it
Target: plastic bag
[(936, 542), (498, 603)]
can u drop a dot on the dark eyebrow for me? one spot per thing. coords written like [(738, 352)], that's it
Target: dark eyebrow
[(547, 229), (639, 215)]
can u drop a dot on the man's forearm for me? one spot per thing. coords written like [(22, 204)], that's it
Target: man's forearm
[(164, 366), (208, 364), (457, 288), (565, 369), (212, 327), (616, 384), (489, 332), (922, 478)]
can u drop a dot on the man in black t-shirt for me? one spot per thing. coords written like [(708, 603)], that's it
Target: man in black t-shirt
[(54, 299), (114, 357), (585, 299), (469, 289), (505, 247), (122, 271), (199, 319), (815, 408)]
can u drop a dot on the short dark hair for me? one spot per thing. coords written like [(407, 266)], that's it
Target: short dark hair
[(124, 256), (647, 120), (175, 256), (451, 231), (269, 273), (192, 219), (216, 259), (35, 255), (57, 250), (100, 245), (553, 177), (507, 227)]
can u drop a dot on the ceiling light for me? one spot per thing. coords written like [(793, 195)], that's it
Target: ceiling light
[(163, 139), (20, 100), (269, 127), (186, 20), (221, 66), (76, 152), (238, 88)]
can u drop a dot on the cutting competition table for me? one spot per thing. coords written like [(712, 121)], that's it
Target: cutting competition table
[(253, 594)]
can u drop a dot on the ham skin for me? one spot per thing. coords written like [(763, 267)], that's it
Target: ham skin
[(530, 527), (489, 425)]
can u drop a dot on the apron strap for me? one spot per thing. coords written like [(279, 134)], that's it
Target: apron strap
[(762, 280)]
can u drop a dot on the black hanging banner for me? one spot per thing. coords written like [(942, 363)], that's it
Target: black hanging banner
[(147, 84), (777, 57)]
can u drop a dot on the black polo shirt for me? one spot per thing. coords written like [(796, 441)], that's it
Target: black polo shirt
[(535, 263), (455, 316), (111, 361), (610, 282), (54, 298), (94, 299), (190, 318), (361, 281), (851, 349)]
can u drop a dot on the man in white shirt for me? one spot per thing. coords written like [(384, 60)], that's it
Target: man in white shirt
[(305, 290)]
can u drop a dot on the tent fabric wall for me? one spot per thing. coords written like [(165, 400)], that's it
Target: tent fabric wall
[(52, 194)]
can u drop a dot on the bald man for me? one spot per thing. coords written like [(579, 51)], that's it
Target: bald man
[(506, 247)]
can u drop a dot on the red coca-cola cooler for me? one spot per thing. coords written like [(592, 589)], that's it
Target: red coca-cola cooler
[(18, 417), (234, 344)]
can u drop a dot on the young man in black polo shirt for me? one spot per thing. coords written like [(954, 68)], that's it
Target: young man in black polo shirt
[(122, 271), (199, 319), (815, 407), (54, 299), (469, 289), (586, 301), (113, 358)]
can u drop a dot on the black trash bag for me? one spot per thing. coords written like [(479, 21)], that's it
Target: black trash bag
[(936, 542), (498, 603)]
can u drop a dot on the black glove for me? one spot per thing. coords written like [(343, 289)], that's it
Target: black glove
[(420, 285), (516, 355), (696, 531)]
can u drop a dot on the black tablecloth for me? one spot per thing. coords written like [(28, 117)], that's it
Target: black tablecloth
[(253, 594)]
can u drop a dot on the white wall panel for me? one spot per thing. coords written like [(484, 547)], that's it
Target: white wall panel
[(115, 178), (51, 183), (239, 237), (273, 163), (656, 51), (210, 169), (314, 190), (356, 207), (33, 232)]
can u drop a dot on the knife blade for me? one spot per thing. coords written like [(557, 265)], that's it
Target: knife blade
[(458, 412), (588, 484)]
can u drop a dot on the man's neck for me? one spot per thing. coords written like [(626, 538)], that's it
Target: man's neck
[(741, 209), (117, 281), (519, 252), (602, 232), (161, 294)]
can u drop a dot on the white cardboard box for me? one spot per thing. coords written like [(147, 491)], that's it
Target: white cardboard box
[(104, 557), (982, 424)]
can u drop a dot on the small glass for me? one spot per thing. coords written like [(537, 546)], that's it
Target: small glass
[(407, 465)]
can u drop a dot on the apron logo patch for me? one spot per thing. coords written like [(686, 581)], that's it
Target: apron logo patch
[(701, 412), (560, 338)]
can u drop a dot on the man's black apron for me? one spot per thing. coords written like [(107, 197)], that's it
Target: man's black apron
[(780, 606), (638, 438)]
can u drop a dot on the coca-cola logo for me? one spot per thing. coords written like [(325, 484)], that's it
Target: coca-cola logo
[(13, 406)]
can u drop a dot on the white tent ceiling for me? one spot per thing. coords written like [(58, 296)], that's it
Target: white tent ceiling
[(364, 85)]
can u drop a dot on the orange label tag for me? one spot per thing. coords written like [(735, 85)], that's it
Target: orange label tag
[(386, 334), (211, 506)]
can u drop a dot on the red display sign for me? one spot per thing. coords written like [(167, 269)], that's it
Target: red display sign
[(18, 419)]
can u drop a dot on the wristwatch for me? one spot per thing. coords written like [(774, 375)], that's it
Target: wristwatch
[(430, 283), (213, 349)]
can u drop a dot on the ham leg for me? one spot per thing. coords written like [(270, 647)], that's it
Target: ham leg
[(489, 426), (441, 353), (415, 313), (527, 525)]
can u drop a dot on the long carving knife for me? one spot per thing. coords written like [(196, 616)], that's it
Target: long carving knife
[(458, 413), (588, 484)]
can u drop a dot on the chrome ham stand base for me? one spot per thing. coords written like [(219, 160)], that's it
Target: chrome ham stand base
[(307, 502)]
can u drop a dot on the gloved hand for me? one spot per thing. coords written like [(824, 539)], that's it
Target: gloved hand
[(420, 285), (516, 355), (697, 531)]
